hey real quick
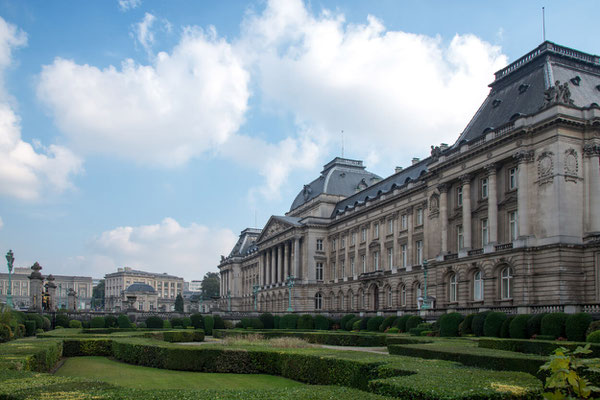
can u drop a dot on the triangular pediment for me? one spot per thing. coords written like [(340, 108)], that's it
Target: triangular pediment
[(276, 225)]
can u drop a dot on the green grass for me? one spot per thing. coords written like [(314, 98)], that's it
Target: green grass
[(133, 376)]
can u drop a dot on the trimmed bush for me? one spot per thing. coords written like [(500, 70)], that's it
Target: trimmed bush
[(321, 323), (387, 323), (467, 323), (594, 326), (62, 320), (209, 324), (46, 324), (29, 328), (267, 320), (554, 324), (39, 321), (321, 337), (123, 321), (167, 324), (534, 325), (288, 321), (141, 325), (197, 321), (478, 322), (220, 323), (20, 331), (344, 322), (176, 322), (276, 321), (493, 324), (401, 322), (251, 323), (412, 322), (6, 333), (393, 330), (188, 335), (538, 346), (110, 321), (577, 325), (75, 324), (97, 322), (350, 324), (187, 322), (505, 329), (593, 337), (306, 322), (364, 322), (356, 324), (518, 327), (449, 324), (374, 323), (154, 322), (544, 337)]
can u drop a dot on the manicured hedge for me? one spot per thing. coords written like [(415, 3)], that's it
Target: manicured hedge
[(337, 338), (97, 322), (219, 322), (62, 320), (478, 322), (505, 329), (29, 328), (466, 325), (350, 324), (387, 323), (209, 324), (306, 322), (288, 321), (534, 325), (401, 322), (577, 325), (493, 324), (449, 324), (197, 321), (31, 354), (110, 321), (154, 322), (540, 347), (251, 323), (518, 327), (374, 323), (412, 322), (267, 320), (593, 337), (554, 324), (322, 323), (75, 324), (87, 347), (187, 335), (123, 321)]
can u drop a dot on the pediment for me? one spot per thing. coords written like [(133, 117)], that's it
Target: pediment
[(273, 227)]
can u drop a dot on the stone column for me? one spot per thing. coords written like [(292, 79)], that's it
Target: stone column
[(592, 153), (492, 204), (273, 265), (523, 157), (297, 257), (72, 300), (382, 252), (51, 293), (443, 188), (35, 287), (466, 210), (409, 245), (396, 227), (357, 265), (280, 250)]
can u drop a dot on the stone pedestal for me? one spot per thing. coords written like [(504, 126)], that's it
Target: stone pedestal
[(72, 300), (51, 289), (35, 288)]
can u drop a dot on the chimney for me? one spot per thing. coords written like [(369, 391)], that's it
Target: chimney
[(398, 169), (127, 268), (415, 160), (119, 269), (443, 146)]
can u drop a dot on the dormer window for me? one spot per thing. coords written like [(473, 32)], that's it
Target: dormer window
[(496, 103), (575, 81), (523, 88)]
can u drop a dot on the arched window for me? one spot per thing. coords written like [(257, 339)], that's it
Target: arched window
[(418, 294), (506, 284), (389, 297), (478, 286), (352, 301), (363, 303), (453, 289), (341, 301), (403, 295), (318, 301)]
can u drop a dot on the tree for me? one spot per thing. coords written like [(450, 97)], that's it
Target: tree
[(179, 303), (210, 285), (98, 295)]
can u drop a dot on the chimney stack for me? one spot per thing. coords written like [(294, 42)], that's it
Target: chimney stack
[(415, 160), (398, 169)]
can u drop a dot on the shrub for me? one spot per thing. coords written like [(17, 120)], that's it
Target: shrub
[(123, 321), (364, 323), (467, 323), (401, 323), (252, 323), (505, 329), (166, 324), (142, 325), (518, 327), (449, 324), (20, 331), (85, 324), (554, 324), (350, 324), (356, 325), (176, 322), (543, 337), (344, 322), (197, 321), (577, 325), (46, 324), (209, 324), (393, 330), (39, 321), (593, 337), (387, 323), (110, 321), (38, 331), (534, 325), (478, 322), (62, 320), (288, 321), (220, 323), (154, 322), (187, 321), (412, 322), (493, 324), (334, 324), (30, 328), (321, 323), (276, 321), (6, 333), (594, 326), (267, 320), (97, 322), (306, 322), (567, 379), (239, 325), (75, 324), (228, 324), (374, 323)]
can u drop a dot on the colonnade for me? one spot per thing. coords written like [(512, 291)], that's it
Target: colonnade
[(280, 261)]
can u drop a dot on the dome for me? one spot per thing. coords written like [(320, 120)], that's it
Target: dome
[(138, 287)]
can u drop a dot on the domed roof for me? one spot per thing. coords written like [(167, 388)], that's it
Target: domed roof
[(341, 176), (139, 287)]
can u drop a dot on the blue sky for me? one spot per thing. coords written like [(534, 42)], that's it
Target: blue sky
[(149, 133)]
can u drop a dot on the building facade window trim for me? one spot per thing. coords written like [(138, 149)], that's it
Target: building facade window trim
[(506, 283)]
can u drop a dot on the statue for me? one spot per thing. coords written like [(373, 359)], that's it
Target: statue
[(436, 152), (557, 94)]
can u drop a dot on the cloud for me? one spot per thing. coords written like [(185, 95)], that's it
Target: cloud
[(184, 104), (143, 32), (186, 251), (1, 223), (27, 171), (126, 5)]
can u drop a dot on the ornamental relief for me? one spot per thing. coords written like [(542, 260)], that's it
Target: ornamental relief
[(571, 166), (434, 205), (545, 167)]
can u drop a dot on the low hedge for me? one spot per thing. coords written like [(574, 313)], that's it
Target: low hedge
[(576, 326), (539, 347), (322, 323), (188, 335), (336, 338), (31, 354), (87, 347), (554, 324), (107, 331)]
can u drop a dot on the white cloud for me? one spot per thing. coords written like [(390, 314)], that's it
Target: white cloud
[(27, 171), (187, 251), (1, 223), (143, 32), (126, 5), (182, 105)]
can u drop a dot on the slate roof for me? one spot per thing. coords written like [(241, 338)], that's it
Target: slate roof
[(246, 242), (138, 287), (341, 176), (518, 89)]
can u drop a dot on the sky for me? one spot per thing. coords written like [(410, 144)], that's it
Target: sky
[(149, 133)]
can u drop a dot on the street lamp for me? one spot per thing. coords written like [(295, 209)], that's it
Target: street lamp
[(290, 285), (425, 305), (255, 289), (10, 258)]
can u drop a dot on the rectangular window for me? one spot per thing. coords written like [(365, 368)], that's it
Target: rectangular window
[(512, 178), (390, 226), (376, 231), (333, 271), (390, 257), (343, 268), (319, 244), (419, 246), (353, 238), (484, 232), (459, 196), (404, 221), (404, 253), (484, 188), (363, 260), (364, 234), (513, 225), (352, 270), (460, 240), (319, 271), (376, 260), (419, 216), (333, 244)]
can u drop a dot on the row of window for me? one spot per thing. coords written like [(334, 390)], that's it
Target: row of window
[(513, 230), (484, 186)]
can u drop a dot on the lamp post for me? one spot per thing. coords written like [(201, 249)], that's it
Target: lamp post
[(229, 300), (290, 285), (425, 305), (255, 291), (10, 258)]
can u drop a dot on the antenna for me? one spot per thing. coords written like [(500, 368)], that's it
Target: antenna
[(544, 23), (342, 143)]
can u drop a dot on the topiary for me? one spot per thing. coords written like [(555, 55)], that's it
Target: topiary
[(478, 322), (350, 324), (288, 321), (20, 331), (46, 324), (554, 324), (6, 333), (209, 323), (364, 322), (594, 326), (412, 322), (187, 321), (401, 322), (321, 323), (141, 325), (154, 322), (493, 324), (345, 319), (518, 327), (167, 324), (267, 320), (110, 321), (505, 329), (75, 324), (276, 321), (534, 324), (220, 324), (387, 323), (356, 324), (39, 321), (197, 321), (576, 326), (306, 322), (593, 337), (176, 321), (97, 322), (449, 324), (467, 323), (62, 320), (393, 330), (374, 323), (30, 328), (123, 321)]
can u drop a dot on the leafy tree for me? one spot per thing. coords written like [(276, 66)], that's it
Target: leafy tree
[(210, 285), (567, 370), (179, 303)]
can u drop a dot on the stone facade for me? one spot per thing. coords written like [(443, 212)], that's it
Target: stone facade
[(506, 218)]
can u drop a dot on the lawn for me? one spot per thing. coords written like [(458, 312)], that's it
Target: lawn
[(133, 376)]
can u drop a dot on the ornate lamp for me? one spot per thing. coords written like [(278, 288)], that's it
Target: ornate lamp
[(255, 289), (290, 285), (10, 258)]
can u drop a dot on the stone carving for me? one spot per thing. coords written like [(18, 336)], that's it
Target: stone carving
[(443, 187), (571, 162), (436, 152), (362, 185), (591, 150), (465, 179), (274, 228), (524, 156), (434, 204), (545, 166), (306, 191), (557, 94)]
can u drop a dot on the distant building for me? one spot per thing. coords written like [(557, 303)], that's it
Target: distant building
[(195, 286), (167, 288)]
